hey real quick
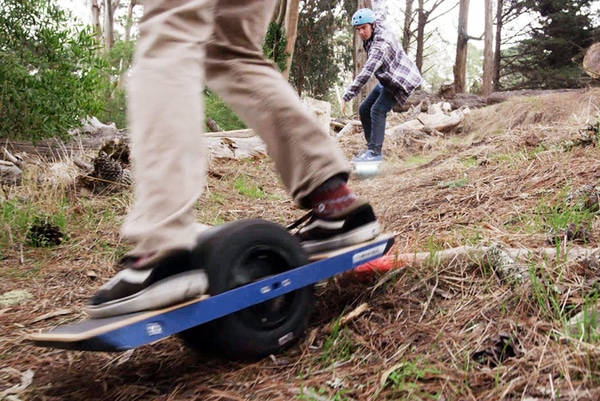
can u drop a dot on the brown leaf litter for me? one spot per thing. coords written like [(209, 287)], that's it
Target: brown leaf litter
[(445, 331)]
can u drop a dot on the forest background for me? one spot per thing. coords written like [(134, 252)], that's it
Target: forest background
[(518, 177), (64, 60)]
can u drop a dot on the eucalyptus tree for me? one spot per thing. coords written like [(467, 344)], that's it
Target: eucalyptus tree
[(50, 73), (550, 56), (322, 51)]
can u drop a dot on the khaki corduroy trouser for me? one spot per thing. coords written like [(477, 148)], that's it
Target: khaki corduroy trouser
[(185, 45)]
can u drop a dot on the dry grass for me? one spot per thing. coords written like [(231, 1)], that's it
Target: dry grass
[(451, 331)]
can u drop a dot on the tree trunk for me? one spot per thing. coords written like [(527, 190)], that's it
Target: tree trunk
[(360, 57), (291, 31), (280, 16), (406, 32), (108, 25), (423, 18), (129, 22), (488, 52), (499, 24), (95, 14), (460, 65), (421, 22)]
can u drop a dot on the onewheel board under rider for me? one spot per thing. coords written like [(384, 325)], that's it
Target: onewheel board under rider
[(261, 296), (366, 169)]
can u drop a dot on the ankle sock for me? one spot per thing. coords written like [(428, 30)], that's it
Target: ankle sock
[(331, 197)]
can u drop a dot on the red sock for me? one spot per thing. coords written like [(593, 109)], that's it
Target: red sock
[(329, 200)]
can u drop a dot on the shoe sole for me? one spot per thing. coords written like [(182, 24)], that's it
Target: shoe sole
[(167, 292), (358, 235)]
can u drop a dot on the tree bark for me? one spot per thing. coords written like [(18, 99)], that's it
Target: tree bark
[(95, 15), (129, 22), (212, 125), (421, 22), (499, 24), (488, 52), (360, 58), (460, 65), (406, 31), (291, 32), (279, 15), (424, 16), (109, 38)]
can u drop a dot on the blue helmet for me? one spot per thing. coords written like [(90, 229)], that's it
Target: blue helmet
[(363, 16)]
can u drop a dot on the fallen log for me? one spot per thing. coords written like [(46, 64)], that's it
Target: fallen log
[(348, 128), (212, 125), (472, 101), (336, 124), (442, 122), (237, 144), (438, 119), (10, 174), (9, 157), (241, 133), (510, 264), (241, 147)]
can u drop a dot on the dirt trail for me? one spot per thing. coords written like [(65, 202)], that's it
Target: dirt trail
[(451, 331)]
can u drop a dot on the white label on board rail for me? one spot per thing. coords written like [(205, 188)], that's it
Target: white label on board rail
[(154, 329), (369, 253)]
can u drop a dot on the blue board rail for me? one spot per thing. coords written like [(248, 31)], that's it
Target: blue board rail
[(120, 333)]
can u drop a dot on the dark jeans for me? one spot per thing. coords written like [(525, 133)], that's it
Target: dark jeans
[(373, 111)]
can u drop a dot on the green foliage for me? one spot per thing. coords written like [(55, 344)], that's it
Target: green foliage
[(474, 68), (418, 159), (459, 183), (405, 380), (244, 187), (545, 292), (50, 74), (221, 113), (119, 59), (322, 50), (551, 56), (339, 345), (274, 45), (17, 217), (13, 222), (116, 106)]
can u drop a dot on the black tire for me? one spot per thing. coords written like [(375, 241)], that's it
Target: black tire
[(239, 253)]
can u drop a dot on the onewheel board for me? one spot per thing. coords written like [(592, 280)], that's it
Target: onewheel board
[(124, 332), (365, 170)]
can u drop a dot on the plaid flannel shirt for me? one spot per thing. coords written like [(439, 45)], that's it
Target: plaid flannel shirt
[(390, 65)]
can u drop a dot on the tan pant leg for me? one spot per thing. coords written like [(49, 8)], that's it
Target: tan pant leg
[(166, 122), (305, 155)]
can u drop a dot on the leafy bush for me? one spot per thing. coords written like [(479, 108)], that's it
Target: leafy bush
[(221, 113), (119, 59), (50, 74), (274, 45), (323, 48)]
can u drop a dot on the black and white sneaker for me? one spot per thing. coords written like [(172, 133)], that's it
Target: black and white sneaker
[(150, 282), (353, 226)]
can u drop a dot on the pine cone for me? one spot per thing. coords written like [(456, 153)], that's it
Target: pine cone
[(107, 168), (126, 177), (585, 198), (43, 233), (108, 175), (118, 150)]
